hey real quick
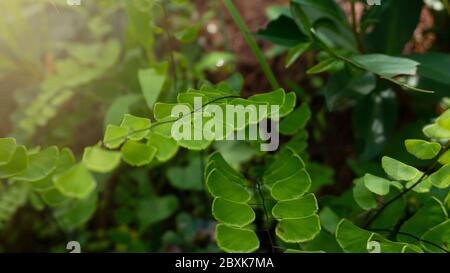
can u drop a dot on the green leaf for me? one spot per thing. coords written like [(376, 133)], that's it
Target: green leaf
[(296, 120), (152, 81), (217, 161), (298, 230), (325, 65), (377, 184), (166, 147), (325, 8), (235, 153), (288, 105), (444, 120), (329, 220), (52, 197), (363, 196), (343, 87), (156, 209), (77, 212), (164, 110), (239, 240), (291, 187), (445, 158), (422, 149), (76, 182), (220, 186), (187, 178), (352, 238), (232, 213), (398, 170), (276, 97), (441, 178), (137, 127), (40, 165), (99, 160), (428, 216), (137, 154), (439, 235), (435, 131), (296, 52), (7, 148), (187, 35), (119, 107), (327, 18), (296, 208), (283, 31), (387, 66), (65, 161), (287, 164), (394, 25), (17, 164), (434, 66), (114, 136)]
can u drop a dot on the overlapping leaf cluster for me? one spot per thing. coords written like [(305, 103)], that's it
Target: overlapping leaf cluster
[(51, 174), (388, 197)]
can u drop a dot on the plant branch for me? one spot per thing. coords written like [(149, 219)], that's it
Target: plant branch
[(357, 65), (251, 43), (412, 236), (421, 179), (158, 123), (258, 188)]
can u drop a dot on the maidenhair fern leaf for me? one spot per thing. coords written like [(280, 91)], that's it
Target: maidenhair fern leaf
[(422, 149), (7, 148), (40, 165), (230, 207), (99, 160), (76, 182), (398, 170), (232, 213), (137, 127), (288, 181), (137, 154), (17, 164), (232, 239), (441, 178)]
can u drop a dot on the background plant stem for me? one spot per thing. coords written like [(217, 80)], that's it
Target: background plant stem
[(251, 42)]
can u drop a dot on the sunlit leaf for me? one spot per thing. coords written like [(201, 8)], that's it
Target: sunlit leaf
[(398, 170), (137, 154), (422, 149), (76, 182), (99, 160)]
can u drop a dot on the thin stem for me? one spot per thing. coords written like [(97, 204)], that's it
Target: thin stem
[(258, 188), (357, 65), (412, 236), (251, 42), (421, 179), (355, 27)]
